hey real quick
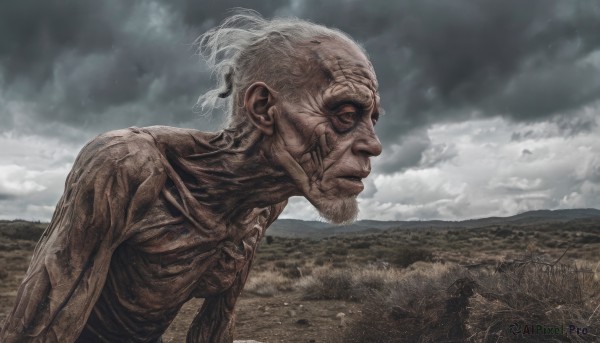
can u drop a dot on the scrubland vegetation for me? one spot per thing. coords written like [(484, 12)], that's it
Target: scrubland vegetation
[(492, 284)]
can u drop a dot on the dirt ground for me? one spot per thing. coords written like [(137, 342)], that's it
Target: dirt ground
[(281, 318)]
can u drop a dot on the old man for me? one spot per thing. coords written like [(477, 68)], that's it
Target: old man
[(152, 217)]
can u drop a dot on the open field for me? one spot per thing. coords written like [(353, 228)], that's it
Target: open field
[(402, 285)]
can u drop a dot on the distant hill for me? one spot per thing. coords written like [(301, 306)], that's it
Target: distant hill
[(24, 230), (301, 228)]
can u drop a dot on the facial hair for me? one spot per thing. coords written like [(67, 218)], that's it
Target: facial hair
[(339, 211)]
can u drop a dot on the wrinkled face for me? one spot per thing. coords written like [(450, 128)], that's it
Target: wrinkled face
[(329, 133)]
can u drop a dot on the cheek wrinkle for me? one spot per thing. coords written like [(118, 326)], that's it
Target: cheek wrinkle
[(323, 145), (320, 155)]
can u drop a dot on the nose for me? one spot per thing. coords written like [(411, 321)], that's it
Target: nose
[(368, 144)]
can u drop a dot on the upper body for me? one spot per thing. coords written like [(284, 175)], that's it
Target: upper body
[(152, 217), (178, 248), (135, 236)]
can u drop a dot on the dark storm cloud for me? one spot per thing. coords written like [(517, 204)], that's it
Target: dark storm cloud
[(75, 62), (406, 153), (6, 196), (98, 65), (72, 69), (206, 14), (573, 125), (33, 35), (445, 60), (415, 150)]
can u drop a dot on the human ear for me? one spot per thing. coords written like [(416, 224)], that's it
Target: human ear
[(258, 102)]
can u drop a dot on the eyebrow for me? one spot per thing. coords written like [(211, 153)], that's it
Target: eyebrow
[(336, 102), (341, 99)]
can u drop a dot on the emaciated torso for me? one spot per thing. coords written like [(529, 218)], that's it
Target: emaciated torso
[(171, 257)]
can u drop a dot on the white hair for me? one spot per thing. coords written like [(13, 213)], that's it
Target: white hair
[(246, 48)]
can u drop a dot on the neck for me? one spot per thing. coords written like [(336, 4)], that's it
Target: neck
[(237, 176)]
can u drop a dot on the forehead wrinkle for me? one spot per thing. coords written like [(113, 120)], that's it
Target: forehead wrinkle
[(340, 62), (345, 71), (353, 74), (350, 91)]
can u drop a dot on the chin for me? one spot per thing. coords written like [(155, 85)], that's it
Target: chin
[(338, 211)]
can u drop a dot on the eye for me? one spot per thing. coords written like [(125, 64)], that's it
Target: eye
[(345, 117)]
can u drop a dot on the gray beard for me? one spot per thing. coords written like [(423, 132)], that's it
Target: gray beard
[(339, 211)]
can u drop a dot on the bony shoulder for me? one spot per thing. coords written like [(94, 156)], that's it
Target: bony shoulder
[(132, 147), (130, 133), (126, 139)]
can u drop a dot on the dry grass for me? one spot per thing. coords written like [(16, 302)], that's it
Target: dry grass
[(402, 294), (448, 303), (355, 284), (328, 284), (268, 283), (538, 296)]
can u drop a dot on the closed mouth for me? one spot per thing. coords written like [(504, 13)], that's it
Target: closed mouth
[(352, 178)]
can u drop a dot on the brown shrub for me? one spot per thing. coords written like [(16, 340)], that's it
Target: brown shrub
[(360, 245), (20, 229), (270, 240), (345, 284), (408, 310), (536, 294), (267, 283), (447, 303), (280, 264), (338, 250), (406, 256), (328, 284), (319, 261)]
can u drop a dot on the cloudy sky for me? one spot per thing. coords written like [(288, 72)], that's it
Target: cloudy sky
[(492, 106)]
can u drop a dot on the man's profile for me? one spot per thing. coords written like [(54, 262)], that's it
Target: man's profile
[(152, 217)]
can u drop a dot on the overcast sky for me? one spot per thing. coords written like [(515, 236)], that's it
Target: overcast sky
[(492, 105)]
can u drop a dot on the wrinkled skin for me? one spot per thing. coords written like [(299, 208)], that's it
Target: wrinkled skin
[(153, 217), (325, 140)]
